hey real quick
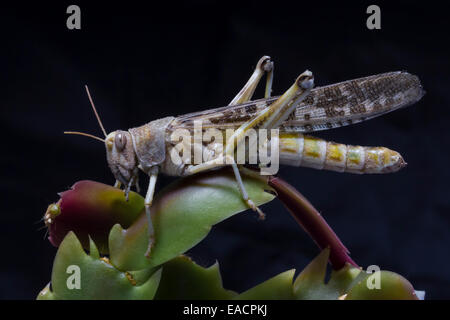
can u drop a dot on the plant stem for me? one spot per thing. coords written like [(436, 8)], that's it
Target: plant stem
[(312, 222)]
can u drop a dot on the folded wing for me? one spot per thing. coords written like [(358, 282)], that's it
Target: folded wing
[(327, 107)]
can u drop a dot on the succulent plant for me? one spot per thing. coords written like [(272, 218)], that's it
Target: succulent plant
[(102, 238)]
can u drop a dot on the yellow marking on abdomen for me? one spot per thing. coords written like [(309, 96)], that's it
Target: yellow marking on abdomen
[(336, 157), (334, 153), (306, 151), (382, 160), (355, 159), (312, 147), (314, 152), (291, 148)]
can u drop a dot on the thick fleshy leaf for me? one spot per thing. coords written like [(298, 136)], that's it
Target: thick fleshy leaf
[(391, 286), (77, 275), (183, 214), (310, 283), (91, 208), (183, 279), (313, 275), (349, 283), (276, 288)]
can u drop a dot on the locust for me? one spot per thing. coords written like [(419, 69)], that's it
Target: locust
[(299, 110)]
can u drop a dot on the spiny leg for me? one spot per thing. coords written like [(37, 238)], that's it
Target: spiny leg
[(273, 115), (244, 193), (153, 174), (245, 94), (136, 184), (264, 65), (128, 186), (220, 162), (280, 110), (268, 118), (127, 189), (118, 184), (269, 80)]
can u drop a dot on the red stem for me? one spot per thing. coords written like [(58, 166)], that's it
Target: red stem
[(312, 222)]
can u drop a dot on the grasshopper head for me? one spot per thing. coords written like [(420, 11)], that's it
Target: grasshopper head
[(121, 156)]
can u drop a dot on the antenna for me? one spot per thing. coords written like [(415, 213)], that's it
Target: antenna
[(95, 111), (84, 134)]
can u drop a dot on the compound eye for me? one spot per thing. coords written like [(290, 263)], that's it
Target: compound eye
[(120, 141)]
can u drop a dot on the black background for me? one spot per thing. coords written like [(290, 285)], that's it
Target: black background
[(146, 62)]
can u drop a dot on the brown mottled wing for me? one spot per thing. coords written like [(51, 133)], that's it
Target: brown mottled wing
[(354, 101), (224, 117), (325, 107)]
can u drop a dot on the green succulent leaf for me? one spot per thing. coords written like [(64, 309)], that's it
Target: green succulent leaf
[(183, 214), (310, 283), (349, 283), (276, 288), (183, 279), (78, 275), (392, 286)]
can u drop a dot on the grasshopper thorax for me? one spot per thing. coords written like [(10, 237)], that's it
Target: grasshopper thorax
[(149, 142)]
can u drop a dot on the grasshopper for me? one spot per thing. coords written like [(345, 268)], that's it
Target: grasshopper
[(301, 109)]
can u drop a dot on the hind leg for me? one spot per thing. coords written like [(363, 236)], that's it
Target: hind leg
[(264, 65)]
